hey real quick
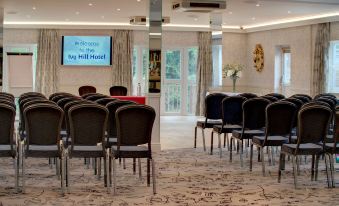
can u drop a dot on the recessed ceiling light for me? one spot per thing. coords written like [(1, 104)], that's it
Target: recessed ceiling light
[(230, 12), (90, 4), (102, 17), (253, 18), (138, 0), (257, 5), (118, 9), (77, 13), (34, 8), (195, 19), (28, 16), (289, 12), (66, 19)]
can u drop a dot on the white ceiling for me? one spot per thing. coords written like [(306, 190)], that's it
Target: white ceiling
[(114, 12)]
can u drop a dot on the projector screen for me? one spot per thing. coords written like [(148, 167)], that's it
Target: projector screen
[(86, 50)]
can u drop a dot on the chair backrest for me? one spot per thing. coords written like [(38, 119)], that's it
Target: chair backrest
[(254, 113), (213, 105), (336, 134), (62, 102), (95, 97), (56, 98), (37, 101), (87, 89), (112, 108), (66, 108), (270, 98), (276, 95), (8, 95), (248, 95), (232, 110), (315, 102), (59, 93), (329, 101), (298, 103), (30, 94), (313, 123), (118, 91), (303, 98), (87, 124), (7, 118), (105, 101), (43, 124), (280, 117), (84, 96), (308, 97), (8, 102), (325, 95), (138, 117)]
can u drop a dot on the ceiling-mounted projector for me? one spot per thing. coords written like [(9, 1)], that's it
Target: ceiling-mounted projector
[(141, 20), (203, 6)]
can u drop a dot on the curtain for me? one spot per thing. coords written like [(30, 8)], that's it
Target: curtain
[(47, 74), (122, 51), (204, 70), (320, 63)]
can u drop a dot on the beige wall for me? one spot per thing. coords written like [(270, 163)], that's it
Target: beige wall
[(72, 77)]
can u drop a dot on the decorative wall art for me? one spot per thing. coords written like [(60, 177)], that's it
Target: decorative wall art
[(258, 57)]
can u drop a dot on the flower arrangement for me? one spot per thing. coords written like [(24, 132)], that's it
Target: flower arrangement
[(233, 71)]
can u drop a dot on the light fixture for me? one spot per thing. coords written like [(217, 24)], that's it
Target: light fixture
[(257, 5), (118, 9), (230, 12), (90, 4), (34, 8), (28, 16), (155, 34), (77, 13), (102, 17), (138, 0), (289, 12), (195, 19), (253, 18)]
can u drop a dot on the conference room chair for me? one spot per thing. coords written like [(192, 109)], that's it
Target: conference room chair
[(58, 94), (87, 122), (105, 101), (29, 95), (313, 123), (8, 138), (118, 91), (231, 119), (303, 98), (87, 89), (43, 125), (136, 142), (95, 97), (276, 95), (254, 116), (303, 95), (8, 102), (270, 98), (248, 95), (8, 95), (325, 95), (279, 123), (88, 94), (331, 149), (213, 115)]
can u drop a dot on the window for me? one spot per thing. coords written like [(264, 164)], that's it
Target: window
[(286, 66), (333, 75)]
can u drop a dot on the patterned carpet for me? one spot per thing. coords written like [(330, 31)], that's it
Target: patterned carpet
[(185, 177)]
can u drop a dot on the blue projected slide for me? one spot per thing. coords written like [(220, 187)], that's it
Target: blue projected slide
[(86, 50)]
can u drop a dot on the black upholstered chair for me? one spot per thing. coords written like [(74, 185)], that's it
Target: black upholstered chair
[(118, 91), (136, 142), (8, 141), (270, 98), (303, 95), (30, 94), (87, 124), (253, 123), (43, 124), (276, 95), (248, 95), (8, 102), (279, 123), (313, 123), (231, 119), (8, 95), (105, 101), (95, 97), (328, 95), (213, 115), (87, 89), (58, 94), (88, 94), (303, 98)]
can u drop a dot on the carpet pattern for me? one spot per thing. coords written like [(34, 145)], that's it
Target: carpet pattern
[(185, 177)]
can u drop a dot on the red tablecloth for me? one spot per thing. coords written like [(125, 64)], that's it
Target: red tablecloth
[(137, 99)]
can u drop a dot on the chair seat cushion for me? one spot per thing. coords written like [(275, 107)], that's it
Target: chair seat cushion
[(329, 138), (271, 140), (86, 151), (304, 149), (131, 152), (209, 124), (331, 148), (43, 151), (5, 151), (226, 128), (248, 134)]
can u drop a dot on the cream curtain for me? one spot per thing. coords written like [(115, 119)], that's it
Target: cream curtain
[(122, 51), (204, 70), (320, 63), (47, 74)]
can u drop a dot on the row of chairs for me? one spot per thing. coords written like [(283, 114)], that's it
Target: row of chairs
[(272, 121), (66, 126), (114, 90)]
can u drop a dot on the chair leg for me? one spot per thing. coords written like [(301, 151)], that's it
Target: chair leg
[(148, 173), (241, 153), (16, 162), (298, 164), (114, 176), (225, 135), (67, 165), (332, 170), (57, 169), (220, 147), (211, 143), (99, 168), (134, 166), (294, 159), (139, 165), (62, 172), (154, 177), (106, 167), (251, 157), (228, 142), (312, 167), (281, 165), (203, 139), (95, 163), (326, 156), (23, 172), (231, 143), (195, 137), (263, 161), (272, 156), (316, 167), (124, 163)]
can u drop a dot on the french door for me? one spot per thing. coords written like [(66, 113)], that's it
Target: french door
[(179, 81)]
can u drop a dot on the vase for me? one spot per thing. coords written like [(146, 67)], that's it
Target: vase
[(234, 82)]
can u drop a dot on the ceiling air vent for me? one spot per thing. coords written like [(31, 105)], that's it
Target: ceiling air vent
[(141, 20), (203, 6)]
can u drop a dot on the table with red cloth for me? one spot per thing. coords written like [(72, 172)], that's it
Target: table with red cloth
[(137, 99)]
